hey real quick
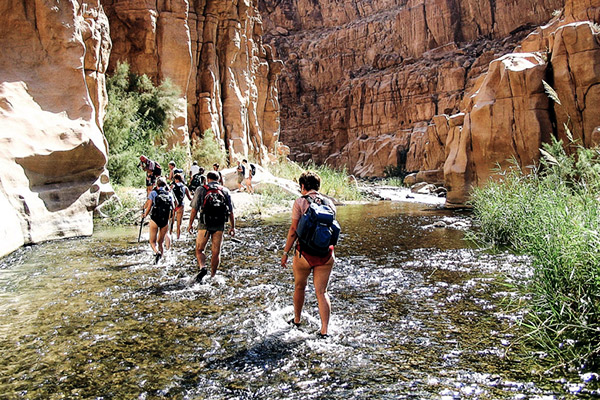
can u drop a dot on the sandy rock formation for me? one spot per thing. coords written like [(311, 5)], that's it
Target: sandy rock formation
[(509, 115), (52, 97), (213, 51), (363, 72)]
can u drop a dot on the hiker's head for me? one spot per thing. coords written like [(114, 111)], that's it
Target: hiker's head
[(310, 180), (216, 166), (177, 177), (161, 182), (143, 158), (201, 170), (171, 164), (212, 176), (244, 161), (195, 162)]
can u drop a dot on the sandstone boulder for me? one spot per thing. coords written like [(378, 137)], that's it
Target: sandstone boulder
[(507, 117), (52, 98)]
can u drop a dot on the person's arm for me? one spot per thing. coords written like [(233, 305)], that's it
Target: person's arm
[(232, 223), (289, 242), (187, 193), (147, 208), (195, 205)]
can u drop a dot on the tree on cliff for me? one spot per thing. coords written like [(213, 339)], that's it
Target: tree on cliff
[(137, 119)]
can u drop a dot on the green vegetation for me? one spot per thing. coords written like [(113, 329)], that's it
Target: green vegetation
[(207, 151), (122, 209), (334, 183), (553, 214), (137, 118)]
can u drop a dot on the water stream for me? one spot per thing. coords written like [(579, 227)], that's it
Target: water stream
[(417, 314)]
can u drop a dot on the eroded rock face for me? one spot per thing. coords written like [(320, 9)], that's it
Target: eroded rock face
[(213, 51), (52, 97), (363, 73), (509, 115)]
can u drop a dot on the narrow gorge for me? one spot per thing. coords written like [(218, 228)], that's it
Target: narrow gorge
[(445, 89)]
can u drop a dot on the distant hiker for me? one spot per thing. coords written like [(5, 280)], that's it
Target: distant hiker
[(216, 169), (314, 225), (180, 191), (247, 176), (152, 169), (197, 180), (194, 169), (241, 172), (172, 166), (213, 201), (160, 206)]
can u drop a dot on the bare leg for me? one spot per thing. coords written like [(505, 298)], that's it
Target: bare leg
[(179, 217), (217, 240), (162, 233), (153, 228), (321, 275), (201, 241), (301, 272)]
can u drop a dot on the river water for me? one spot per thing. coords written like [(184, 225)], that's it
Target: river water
[(417, 314)]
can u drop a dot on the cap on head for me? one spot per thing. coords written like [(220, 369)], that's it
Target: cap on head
[(143, 158)]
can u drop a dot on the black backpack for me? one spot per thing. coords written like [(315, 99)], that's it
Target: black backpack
[(214, 208), (317, 228), (196, 182), (163, 204), (179, 192), (253, 169), (157, 169)]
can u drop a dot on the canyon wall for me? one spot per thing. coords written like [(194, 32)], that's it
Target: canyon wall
[(364, 80), (447, 88), (213, 51), (52, 99)]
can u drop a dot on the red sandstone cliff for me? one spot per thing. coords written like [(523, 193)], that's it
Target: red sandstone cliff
[(434, 83), (213, 51), (362, 81)]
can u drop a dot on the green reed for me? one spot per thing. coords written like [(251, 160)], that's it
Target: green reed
[(334, 182), (552, 214)]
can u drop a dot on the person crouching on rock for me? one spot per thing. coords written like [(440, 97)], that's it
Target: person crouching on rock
[(160, 206)]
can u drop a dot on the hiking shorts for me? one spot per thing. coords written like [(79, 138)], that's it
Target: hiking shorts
[(240, 178), (150, 180), (210, 229), (160, 222)]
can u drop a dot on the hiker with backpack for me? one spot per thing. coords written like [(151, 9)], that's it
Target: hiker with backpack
[(198, 179), (216, 169), (160, 206), (241, 172), (315, 232), (248, 176), (180, 191), (213, 202), (153, 171)]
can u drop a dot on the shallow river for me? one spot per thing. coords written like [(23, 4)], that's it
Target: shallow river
[(417, 314)]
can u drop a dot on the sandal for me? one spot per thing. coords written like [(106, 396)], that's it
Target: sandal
[(322, 335), (292, 322)]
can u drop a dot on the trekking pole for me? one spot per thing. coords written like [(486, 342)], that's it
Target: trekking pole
[(141, 226)]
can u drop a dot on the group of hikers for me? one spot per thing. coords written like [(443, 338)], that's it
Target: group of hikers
[(310, 240)]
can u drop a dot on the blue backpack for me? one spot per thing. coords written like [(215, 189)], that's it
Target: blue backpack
[(317, 228)]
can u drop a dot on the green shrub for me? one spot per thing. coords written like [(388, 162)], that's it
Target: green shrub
[(207, 151), (553, 214), (137, 118)]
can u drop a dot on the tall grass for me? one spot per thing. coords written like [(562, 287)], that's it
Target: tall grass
[(553, 214), (334, 183)]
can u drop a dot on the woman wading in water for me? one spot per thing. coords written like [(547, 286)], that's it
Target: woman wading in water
[(303, 263)]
